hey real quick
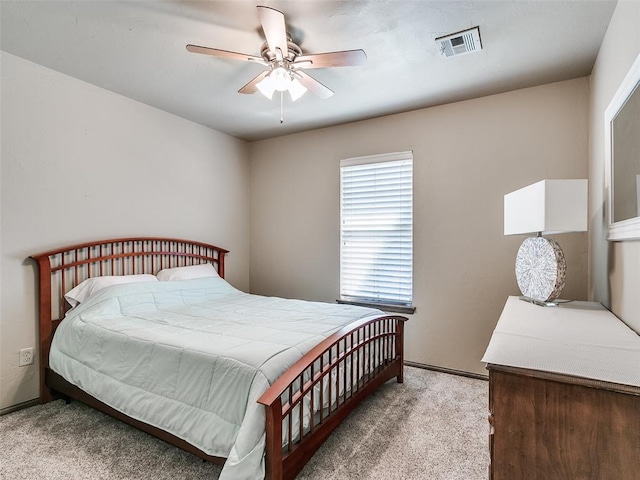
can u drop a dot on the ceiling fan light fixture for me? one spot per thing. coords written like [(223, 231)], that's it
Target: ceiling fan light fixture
[(281, 78), (266, 86), (296, 89), (285, 61)]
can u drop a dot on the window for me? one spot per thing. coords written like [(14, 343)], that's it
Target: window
[(376, 231)]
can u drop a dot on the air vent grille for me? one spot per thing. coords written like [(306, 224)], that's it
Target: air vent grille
[(459, 43)]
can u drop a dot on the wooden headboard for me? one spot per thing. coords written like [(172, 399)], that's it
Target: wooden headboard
[(62, 269)]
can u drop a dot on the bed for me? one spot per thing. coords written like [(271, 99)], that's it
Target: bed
[(303, 385)]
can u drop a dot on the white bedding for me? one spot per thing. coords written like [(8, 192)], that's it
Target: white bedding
[(192, 357)]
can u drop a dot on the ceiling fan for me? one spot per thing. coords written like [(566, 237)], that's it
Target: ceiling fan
[(285, 61)]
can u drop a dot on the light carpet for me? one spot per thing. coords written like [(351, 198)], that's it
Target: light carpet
[(434, 426)]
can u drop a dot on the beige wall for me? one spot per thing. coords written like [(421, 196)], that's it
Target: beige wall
[(466, 157), (614, 269), (81, 163)]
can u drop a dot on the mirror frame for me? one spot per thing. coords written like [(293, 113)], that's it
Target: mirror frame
[(626, 229)]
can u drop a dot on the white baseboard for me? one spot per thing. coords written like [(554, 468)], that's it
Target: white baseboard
[(451, 371)]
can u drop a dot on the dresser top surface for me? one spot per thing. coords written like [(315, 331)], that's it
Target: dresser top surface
[(580, 339)]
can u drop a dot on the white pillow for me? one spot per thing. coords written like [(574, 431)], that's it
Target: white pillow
[(84, 290), (186, 273)]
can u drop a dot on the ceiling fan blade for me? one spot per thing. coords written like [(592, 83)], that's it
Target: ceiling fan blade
[(313, 85), (250, 87), (348, 58), (225, 54), (275, 30)]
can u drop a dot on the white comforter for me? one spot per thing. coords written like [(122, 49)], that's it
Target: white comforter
[(192, 357)]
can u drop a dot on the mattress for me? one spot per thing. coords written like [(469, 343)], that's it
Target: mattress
[(192, 357)]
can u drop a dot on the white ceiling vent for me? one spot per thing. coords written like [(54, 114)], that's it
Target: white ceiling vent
[(459, 43)]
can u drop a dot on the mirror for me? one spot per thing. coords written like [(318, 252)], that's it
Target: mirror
[(622, 130)]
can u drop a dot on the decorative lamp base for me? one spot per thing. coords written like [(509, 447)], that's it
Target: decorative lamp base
[(540, 269), (539, 303)]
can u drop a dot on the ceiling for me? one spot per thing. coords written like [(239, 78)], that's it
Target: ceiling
[(137, 49)]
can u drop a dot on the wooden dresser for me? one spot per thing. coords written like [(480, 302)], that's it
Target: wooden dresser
[(564, 394)]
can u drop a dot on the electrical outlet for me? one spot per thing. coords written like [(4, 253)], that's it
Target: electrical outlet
[(26, 357)]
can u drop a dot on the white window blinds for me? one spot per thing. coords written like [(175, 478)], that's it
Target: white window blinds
[(376, 233)]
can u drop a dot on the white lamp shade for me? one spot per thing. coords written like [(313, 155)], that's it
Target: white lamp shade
[(296, 89), (281, 79), (266, 87), (549, 207)]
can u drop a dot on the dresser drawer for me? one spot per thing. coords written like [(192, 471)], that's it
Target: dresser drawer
[(548, 429)]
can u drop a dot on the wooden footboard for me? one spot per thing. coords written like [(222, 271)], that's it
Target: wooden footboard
[(312, 398)]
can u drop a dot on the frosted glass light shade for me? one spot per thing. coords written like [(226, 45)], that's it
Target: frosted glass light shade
[(296, 89), (266, 87), (549, 207), (281, 79)]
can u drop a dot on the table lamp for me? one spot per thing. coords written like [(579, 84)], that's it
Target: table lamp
[(547, 207)]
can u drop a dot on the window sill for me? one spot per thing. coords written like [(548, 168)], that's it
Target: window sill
[(386, 307)]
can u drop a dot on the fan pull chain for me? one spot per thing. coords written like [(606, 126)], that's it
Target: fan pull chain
[(281, 107)]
